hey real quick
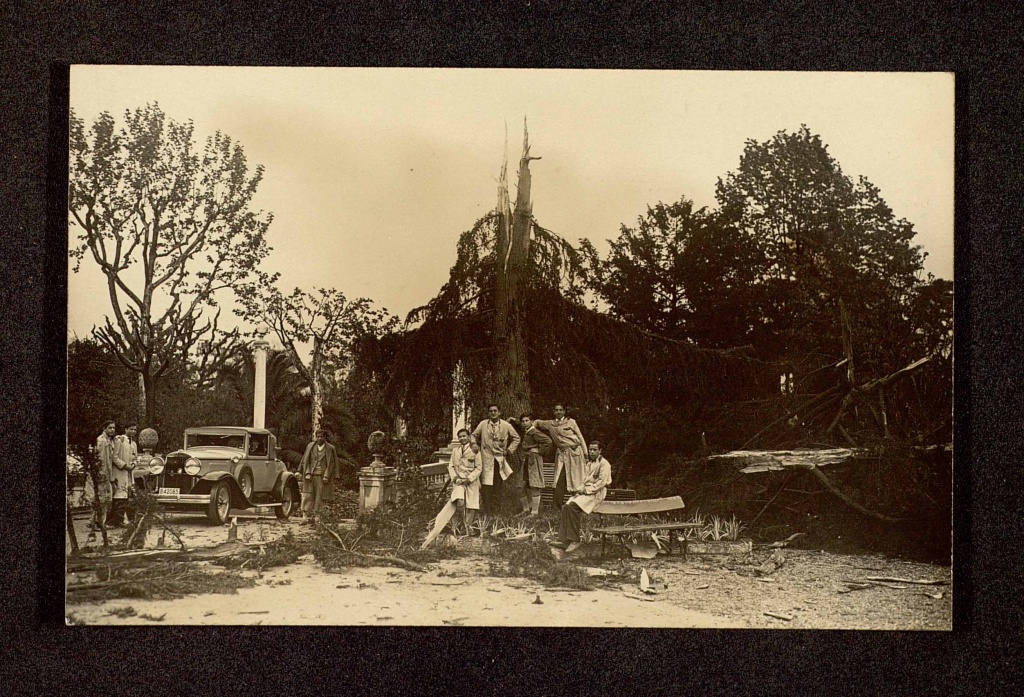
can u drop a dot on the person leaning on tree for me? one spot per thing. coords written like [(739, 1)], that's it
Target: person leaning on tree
[(125, 454), (597, 475), (317, 468), (497, 439)]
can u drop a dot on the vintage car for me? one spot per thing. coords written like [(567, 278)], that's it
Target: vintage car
[(220, 468)]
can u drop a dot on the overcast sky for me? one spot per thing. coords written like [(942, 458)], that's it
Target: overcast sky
[(372, 174)]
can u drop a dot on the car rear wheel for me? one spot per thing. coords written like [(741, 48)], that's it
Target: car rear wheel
[(284, 511), (245, 482), (220, 503)]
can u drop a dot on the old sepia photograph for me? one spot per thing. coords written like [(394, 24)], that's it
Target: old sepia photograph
[(508, 347)]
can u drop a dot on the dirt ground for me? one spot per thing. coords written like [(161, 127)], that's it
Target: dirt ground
[(703, 591)]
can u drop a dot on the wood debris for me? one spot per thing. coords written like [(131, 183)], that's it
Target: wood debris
[(896, 579), (778, 460), (771, 564)]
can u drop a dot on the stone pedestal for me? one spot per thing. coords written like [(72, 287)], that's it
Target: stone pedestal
[(376, 485)]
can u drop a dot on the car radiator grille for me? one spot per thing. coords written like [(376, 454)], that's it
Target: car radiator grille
[(178, 480)]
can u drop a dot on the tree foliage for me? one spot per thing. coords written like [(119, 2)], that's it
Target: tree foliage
[(324, 320), (681, 274), (594, 363), (815, 236), (168, 226), (101, 388)]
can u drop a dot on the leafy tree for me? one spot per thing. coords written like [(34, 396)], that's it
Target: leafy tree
[(680, 274), (99, 388), (169, 227), (324, 320), (817, 237)]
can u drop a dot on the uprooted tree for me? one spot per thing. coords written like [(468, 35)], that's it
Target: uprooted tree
[(169, 227)]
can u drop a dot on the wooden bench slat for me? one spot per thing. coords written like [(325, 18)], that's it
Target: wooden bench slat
[(669, 503)]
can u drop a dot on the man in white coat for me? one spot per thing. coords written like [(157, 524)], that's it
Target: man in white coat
[(123, 463), (497, 440), (597, 475), (464, 471)]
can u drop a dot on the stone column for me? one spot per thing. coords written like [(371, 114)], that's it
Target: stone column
[(259, 400)]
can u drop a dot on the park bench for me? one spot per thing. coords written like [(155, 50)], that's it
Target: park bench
[(670, 504)]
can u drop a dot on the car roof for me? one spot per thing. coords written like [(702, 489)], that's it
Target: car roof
[(227, 430)]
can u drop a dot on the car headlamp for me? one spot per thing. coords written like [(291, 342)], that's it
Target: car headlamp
[(156, 465), (192, 466)]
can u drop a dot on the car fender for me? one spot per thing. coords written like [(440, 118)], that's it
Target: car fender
[(206, 482), (283, 480)]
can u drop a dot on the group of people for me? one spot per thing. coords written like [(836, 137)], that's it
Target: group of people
[(112, 482), (480, 464)]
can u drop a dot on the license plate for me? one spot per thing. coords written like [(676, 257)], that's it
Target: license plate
[(167, 491)]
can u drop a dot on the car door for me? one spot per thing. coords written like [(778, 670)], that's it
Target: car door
[(259, 462)]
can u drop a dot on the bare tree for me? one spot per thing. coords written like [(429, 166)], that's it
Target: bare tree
[(168, 227), (324, 320)]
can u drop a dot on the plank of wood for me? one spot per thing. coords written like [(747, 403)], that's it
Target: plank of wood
[(897, 579), (662, 505)]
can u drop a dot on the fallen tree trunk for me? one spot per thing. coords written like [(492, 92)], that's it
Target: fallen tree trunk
[(778, 460)]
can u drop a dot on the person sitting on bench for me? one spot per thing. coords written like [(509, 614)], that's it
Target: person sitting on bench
[(597, 475)]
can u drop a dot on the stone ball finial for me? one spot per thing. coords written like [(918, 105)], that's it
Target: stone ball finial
[(148, 439), (375, 443)]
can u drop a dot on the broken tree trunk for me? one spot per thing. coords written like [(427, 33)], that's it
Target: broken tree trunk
[(513, 256), (778, 460)]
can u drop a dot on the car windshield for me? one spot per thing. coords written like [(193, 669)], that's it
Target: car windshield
[(198, 440)]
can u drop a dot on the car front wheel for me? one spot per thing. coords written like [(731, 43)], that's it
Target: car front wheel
[(245, 483), (284, 511), (220, 503)]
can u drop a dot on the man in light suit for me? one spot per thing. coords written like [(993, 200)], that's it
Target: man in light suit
[(317, 468), (124, 455), (497, 440)]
